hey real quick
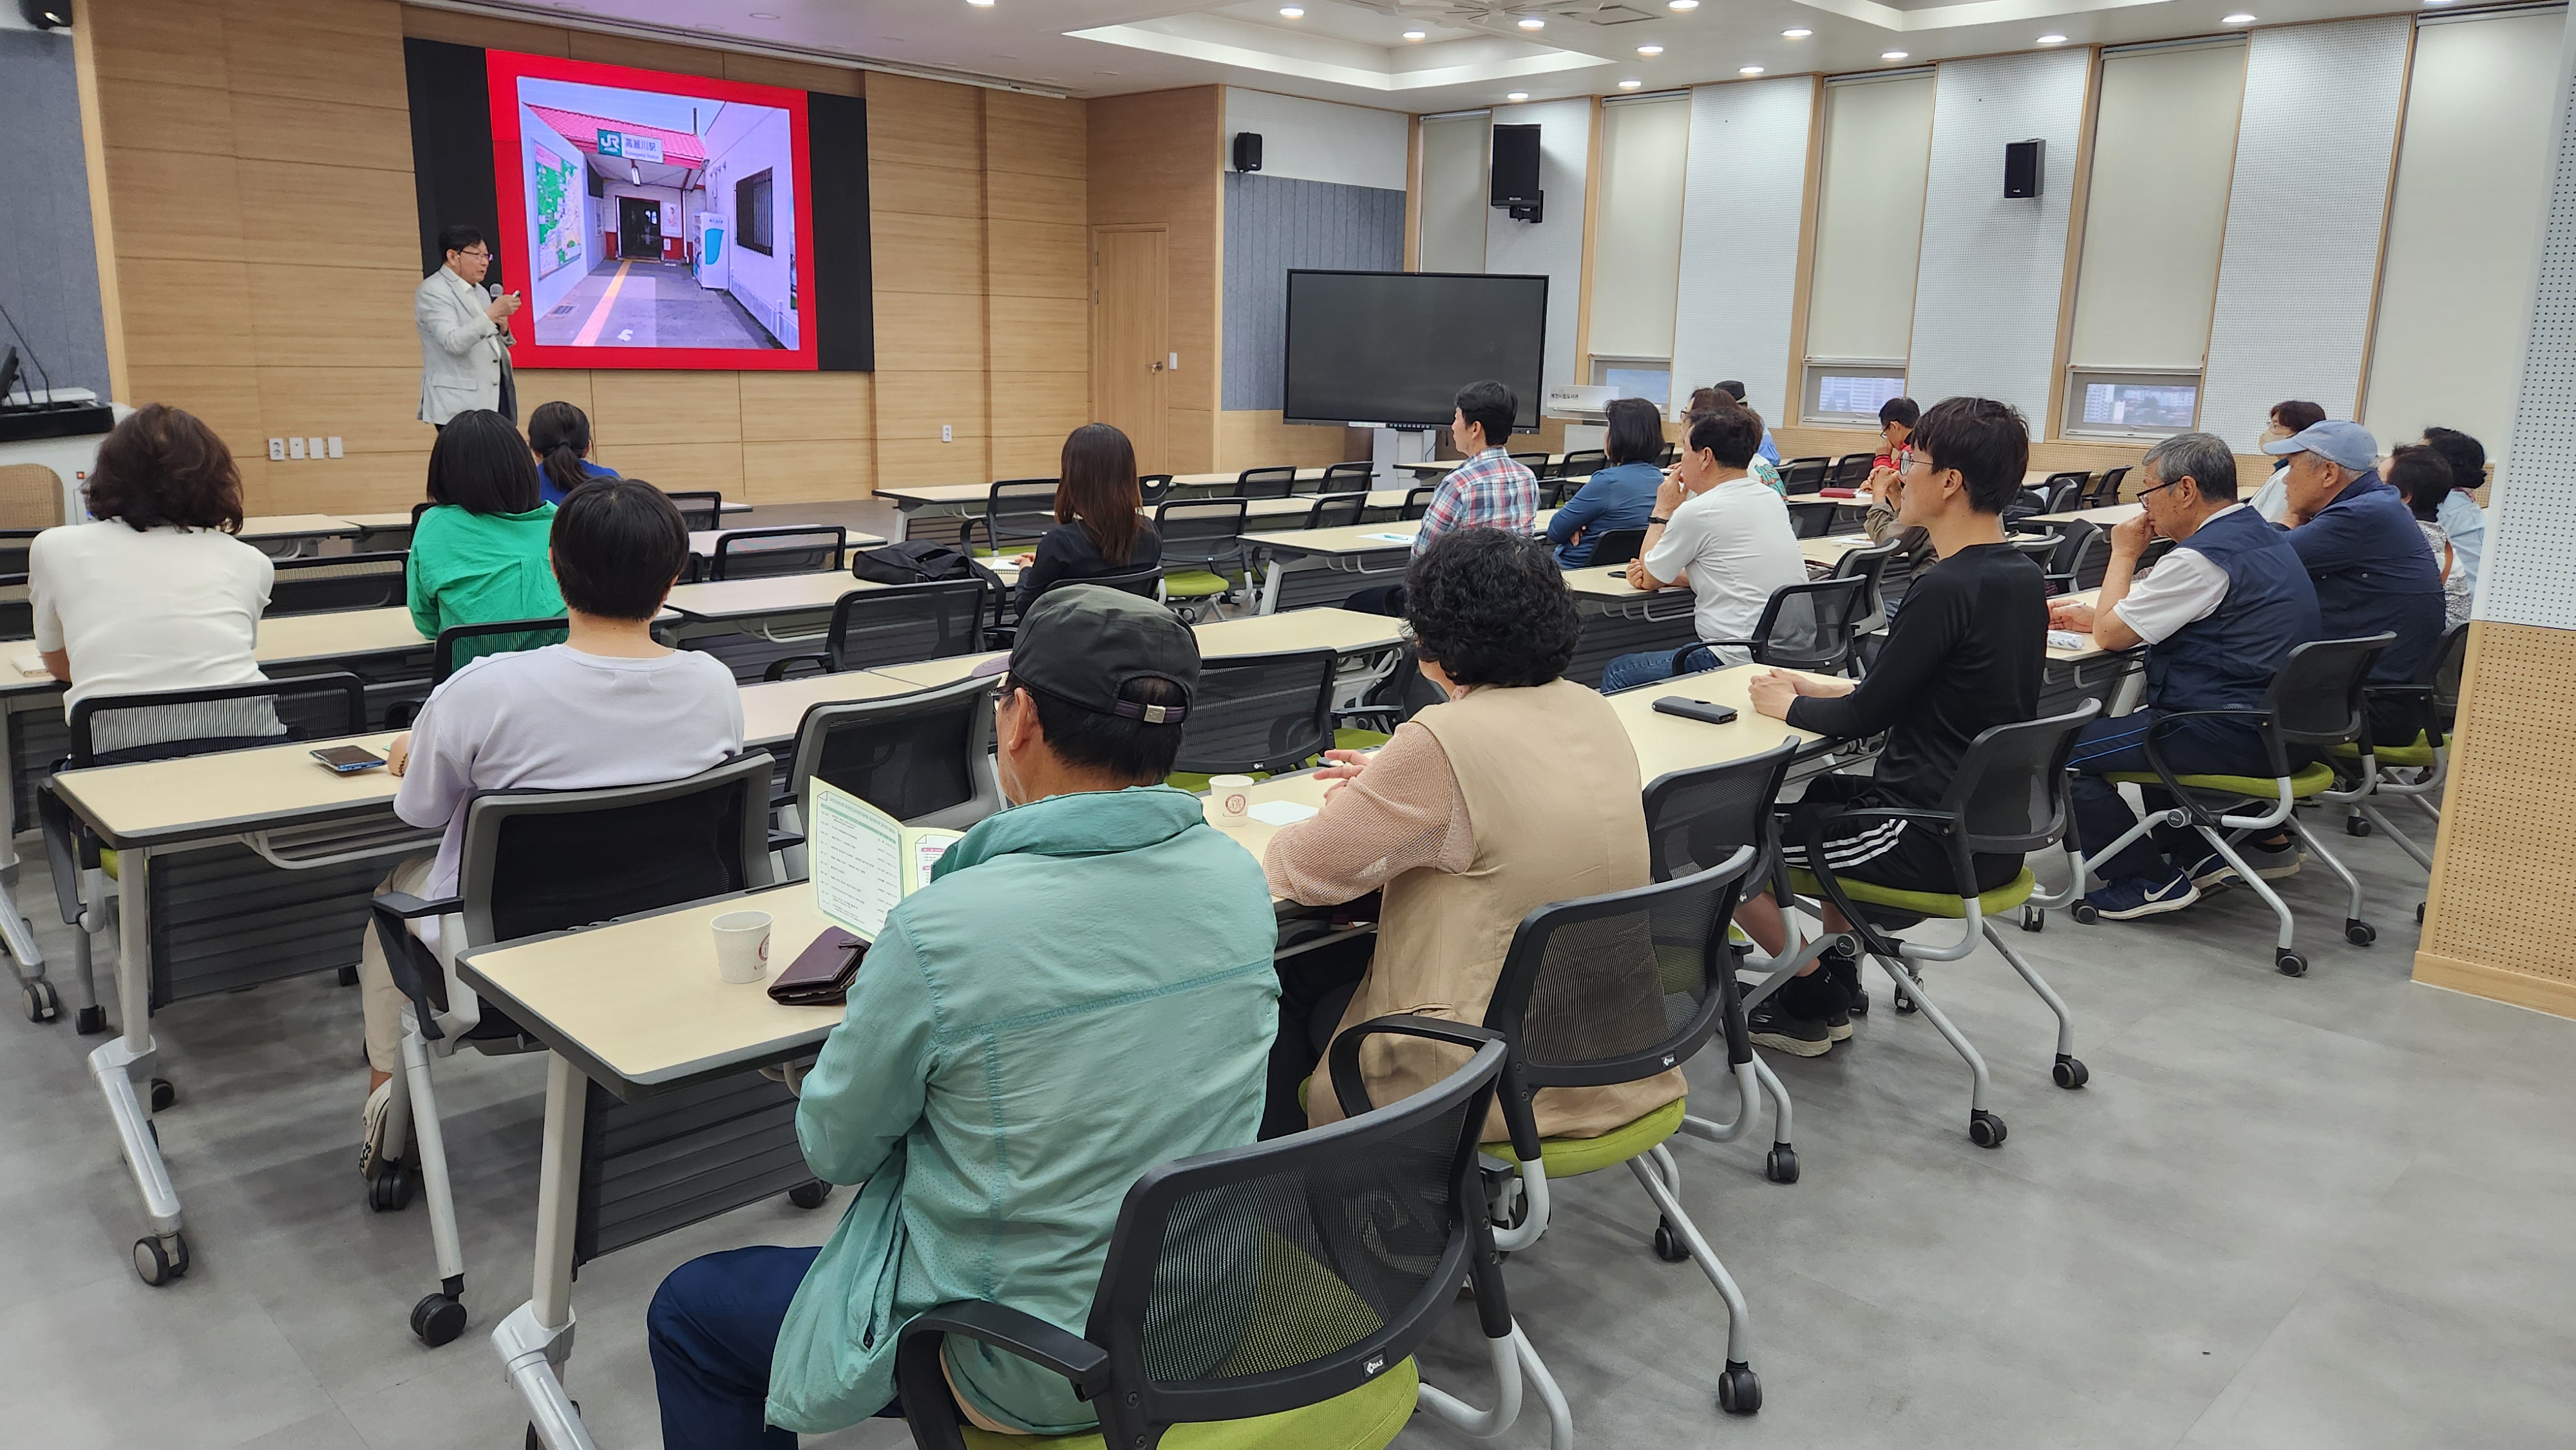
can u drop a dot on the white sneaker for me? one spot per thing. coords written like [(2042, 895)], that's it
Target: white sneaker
[(371, 1144)]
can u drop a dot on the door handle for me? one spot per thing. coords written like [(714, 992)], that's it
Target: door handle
[(1153, 367)]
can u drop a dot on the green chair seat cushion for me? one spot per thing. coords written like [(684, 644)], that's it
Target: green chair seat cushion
[(2416, 752), (107, 862), (1194, 584), (1921, 903), (1367, 1418), (2312, 778), (1347, 738), (1567, 1157)]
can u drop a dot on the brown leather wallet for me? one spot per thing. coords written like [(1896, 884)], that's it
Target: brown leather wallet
[(821, 974)]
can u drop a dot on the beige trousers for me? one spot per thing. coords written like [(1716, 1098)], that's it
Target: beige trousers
[(383, 1000)]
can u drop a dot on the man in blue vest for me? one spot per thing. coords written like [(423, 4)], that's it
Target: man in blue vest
[(2372, 569), (2218, 616)]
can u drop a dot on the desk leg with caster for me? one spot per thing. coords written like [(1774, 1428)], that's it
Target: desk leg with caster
[(19, 938), (536, 1339), (123, 1066)]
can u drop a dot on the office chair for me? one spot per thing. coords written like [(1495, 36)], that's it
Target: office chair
[(700, 509), (925, 759), (2009, 797), (1705, 815), (1868, 563), (1256, 715), (14, 544), (1804, 475), (1357, 476), (329, 583), (1265, 483), (1581, 464), (2040, 549), (763, 553), (1540, 465), (535, 862), (1204, 556), (1153, 488), (1417, 502), (1613, 547), (2413, 771), (1813, 520), (1803, 627), (1017, 513), (2064, 492), (2105, 490), (2083, 555), (2314, 704), (1597, 992), (1850, 471), (459, 645), (1275, 1294), (1336, 510), (897, 624)]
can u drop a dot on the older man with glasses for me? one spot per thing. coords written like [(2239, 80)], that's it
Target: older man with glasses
[(464, 334), (2218, 616)]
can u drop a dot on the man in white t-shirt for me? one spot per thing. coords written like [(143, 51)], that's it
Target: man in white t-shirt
[(610, 706), (1722, 532)]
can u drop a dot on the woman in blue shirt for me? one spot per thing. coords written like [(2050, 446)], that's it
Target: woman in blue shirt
[(559, 434), (1621, 496)]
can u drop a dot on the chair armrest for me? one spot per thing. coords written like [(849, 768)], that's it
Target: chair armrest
[(1350, 1087), (778, 667), (1382, 718), (409, 908), (923, 1387), (2150, 742), (781, 840), (1946, 823)]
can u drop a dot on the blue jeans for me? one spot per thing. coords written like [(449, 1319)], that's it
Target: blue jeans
[(713, 1327), (1627, 672)]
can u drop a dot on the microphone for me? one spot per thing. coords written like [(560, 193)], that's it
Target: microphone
[(494, 288)]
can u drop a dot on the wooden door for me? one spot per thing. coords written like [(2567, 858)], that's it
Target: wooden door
[(1130, 346)]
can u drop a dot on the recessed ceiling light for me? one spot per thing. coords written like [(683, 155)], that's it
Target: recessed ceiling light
[(1517, 96), (1681, 4), (981, 4), (1748, 70), (1796, 34), (1630, 85), (1416, 35), (1650, 50), (2052, 40), (2239, 18), (1291, 12), (1891, 55), (1532, 22)]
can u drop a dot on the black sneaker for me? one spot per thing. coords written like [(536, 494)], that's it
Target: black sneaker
[(1843, 970), (2211, 872), (1838, 1022), (1796, 1036)]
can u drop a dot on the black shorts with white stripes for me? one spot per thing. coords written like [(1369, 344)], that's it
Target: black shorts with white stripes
[(1896, 854)]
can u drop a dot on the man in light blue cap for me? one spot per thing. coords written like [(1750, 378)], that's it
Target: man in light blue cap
[(2372, 570)]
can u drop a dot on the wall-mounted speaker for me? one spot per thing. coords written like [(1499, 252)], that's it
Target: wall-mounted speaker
[(1515, 172), (1247, 151), (2023, 162)]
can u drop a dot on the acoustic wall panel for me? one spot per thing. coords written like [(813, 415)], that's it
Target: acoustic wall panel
[(1869, 217), (1739, 259), (1553, 246), (2304, 214), (2164, 141), (1307, 140), (1638, 231), (49, 264), (1986, 294), (1454, 192), (1272, 224), (2531, 539)]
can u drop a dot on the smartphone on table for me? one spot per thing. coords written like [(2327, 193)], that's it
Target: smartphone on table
[(1702, 710), (348, 759)]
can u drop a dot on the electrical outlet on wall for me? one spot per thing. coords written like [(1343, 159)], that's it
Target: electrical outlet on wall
[(313, 448), (334, 443), (277, 450), (947, 433), (295, 448)]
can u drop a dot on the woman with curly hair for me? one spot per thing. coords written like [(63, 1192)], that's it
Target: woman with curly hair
[(1520, 789)]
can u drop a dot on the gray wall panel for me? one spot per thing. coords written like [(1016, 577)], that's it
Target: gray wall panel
[(48, 267), (1273, 224)]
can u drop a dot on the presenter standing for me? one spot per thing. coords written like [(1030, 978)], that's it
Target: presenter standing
[(464, 334)]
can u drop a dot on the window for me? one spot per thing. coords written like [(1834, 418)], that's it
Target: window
[(1850, 392), (1635, 377), (752, 215), (1636, 269), (2144, 404)]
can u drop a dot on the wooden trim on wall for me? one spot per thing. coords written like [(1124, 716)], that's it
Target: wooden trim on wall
[(1591, 250), (102, 221), (1413, 193), (1802, 291), (2387, 214), (2218, 264), (2079, 202)]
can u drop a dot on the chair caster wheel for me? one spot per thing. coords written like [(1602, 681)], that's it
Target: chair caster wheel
[(2359, 932), (1904, 1002), (2084, 913), (2289, 963), (90, 1021), (809, 1194), (348, 976), (42, 1004), (1985, 1129), (1739, 1391), (438, 1319), (157, 1265), (1780, 1165), (2069, 1072), (391, 1190), (2356, 825), (163, 1095), (2033, 920), (1668, 1245)]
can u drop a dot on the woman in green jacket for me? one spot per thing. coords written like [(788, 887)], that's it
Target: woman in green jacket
[(480, 554)]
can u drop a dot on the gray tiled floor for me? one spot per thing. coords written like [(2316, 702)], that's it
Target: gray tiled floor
[(2326, 1212)]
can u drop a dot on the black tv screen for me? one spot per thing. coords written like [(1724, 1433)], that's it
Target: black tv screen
[(1394, 348)]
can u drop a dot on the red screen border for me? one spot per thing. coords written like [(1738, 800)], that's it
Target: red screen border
[(505, 68)]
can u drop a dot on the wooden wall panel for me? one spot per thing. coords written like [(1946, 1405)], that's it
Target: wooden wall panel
[(1157, 159), (677, 465), (685, 60), (1255, 438), (788, 407)]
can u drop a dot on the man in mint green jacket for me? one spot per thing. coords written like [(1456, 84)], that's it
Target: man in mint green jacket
[(1083, 992)]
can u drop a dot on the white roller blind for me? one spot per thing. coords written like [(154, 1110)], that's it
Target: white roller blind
[(1638, 229), (1455, 189), (1869, 217), (2163, 148), (2472, 181)]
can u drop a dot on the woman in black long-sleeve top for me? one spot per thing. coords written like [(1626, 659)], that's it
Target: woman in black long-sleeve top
[(1098, 515)]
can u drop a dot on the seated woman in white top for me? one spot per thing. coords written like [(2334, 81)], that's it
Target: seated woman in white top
[(156, 594)]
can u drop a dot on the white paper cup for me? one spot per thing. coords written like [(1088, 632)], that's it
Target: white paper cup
[(1233, 797), (742, 945)]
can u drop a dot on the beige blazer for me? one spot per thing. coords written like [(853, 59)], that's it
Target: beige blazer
[(461, 352)]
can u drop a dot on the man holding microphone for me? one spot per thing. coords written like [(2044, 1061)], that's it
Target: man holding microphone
[(464, 334)]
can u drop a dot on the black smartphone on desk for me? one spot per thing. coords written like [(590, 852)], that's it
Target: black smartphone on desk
[(348, 759), (1700, 710)]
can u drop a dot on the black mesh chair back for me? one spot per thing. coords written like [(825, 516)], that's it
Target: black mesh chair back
[(2009, 795), (1699, 818), (761, 553), (1202, 533), (1869, 565), (1617, 546), (924, 759), (1144, 583), (1018, 511), (1804, 475), (2064, 489), (561, 859), (1258, 713), (1418, 501), (17, 610), (2083, 556), (335, 582), (1582, 463), (2105, 490), (1262, 1280), (1851, 470), (2444, 677), (1540, 465), (1336, 510), (1665, 459), (1809, 626), (963, 532), (1355, 476), (461, 644), (700, 509), (1813, 520), (2040, 549), (1265, 482), (1612, 989), (903, 624), (2316, 699), (120, 729), (14, 544), (1153, 488)]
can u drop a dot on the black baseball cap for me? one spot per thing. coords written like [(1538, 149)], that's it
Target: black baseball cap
[(1086, 643)]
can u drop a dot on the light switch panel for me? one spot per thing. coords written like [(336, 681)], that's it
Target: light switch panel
[(313, 448), (295, 448), (333, 442)]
